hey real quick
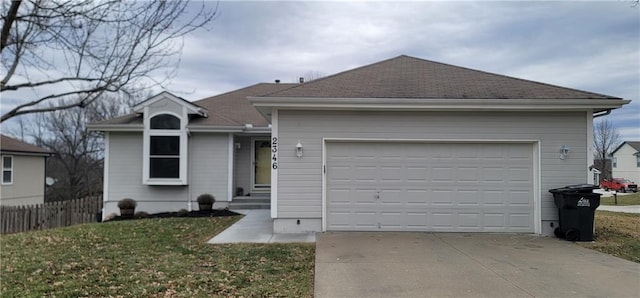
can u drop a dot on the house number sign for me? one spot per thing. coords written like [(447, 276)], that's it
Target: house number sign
[(274, 153)]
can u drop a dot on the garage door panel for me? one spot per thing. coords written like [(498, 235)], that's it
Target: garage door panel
[(431, 187)]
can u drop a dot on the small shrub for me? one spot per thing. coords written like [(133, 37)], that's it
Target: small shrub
[(127, 207), (206, 199), (127, 203), (205, 202), (182, 212)]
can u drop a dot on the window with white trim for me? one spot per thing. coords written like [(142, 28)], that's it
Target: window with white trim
[(7, 169), (165, 151), (164, 157), (638, 160), (614, 162)]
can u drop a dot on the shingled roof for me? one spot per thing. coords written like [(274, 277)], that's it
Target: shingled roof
[(410, 77), (227, 109), (11, 145), (233, 108)]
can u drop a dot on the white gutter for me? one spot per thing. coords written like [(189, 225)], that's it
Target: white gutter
[(115, 127)]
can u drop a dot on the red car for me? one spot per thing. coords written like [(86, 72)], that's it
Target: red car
[(619, 184)]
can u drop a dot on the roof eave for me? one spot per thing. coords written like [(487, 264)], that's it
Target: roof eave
[(26, 153), (115, 127), (265, 104), (214, 128)]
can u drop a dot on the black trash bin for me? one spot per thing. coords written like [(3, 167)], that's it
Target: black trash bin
[(576, 207)]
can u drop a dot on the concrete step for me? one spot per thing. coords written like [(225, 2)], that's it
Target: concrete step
[(261, 201), (248, 206), (251, 200)]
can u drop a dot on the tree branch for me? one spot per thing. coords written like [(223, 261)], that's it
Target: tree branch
[(8, 23), (16, 87)]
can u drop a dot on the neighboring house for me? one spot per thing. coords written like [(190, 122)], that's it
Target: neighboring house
[(404, 144), (625, 161), (23, 173)]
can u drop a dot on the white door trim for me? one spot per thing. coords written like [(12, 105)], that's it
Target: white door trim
[(254, 186), (537, 212)]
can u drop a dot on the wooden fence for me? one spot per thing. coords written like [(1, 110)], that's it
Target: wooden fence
[(16, 219)]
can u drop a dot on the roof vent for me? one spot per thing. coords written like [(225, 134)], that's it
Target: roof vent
[(277, 81), (301, 80)]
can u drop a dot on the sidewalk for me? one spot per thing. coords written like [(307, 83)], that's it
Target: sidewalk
[(257, 227), (625, 209)]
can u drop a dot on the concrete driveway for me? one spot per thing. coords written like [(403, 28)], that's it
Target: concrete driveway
[(389, 264)]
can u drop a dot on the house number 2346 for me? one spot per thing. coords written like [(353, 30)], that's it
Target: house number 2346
[(274, 153)]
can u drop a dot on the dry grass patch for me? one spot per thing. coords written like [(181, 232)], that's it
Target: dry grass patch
[(617, 234), (151, 258)]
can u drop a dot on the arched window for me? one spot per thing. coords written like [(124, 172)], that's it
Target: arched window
[(165, 121), (165, 156)]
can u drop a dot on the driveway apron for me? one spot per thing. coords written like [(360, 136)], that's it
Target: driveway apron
[(355, 264)]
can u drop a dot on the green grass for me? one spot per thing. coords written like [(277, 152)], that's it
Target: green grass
[(150, 258), (623, 200), (617, 234)]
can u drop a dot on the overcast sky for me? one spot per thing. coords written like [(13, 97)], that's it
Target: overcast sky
[(592, 46)]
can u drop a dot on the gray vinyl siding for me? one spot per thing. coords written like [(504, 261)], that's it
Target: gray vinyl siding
[(207, 170), (27, 187), (242, 164), (300, 180), (208, 165)]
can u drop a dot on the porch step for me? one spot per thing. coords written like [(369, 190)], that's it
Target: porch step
[(252, 202)]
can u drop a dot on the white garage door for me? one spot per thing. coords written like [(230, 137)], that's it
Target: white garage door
[(454, 187)]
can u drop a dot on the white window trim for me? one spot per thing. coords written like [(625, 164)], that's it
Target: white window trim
[(148, 133), (10, 169)]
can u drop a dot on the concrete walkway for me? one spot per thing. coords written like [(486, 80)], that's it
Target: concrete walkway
[(257, 227), (625, 209), (466, 265)]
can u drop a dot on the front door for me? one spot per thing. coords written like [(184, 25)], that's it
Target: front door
[(262, 164)]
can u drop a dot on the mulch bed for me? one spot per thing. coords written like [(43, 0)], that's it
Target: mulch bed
[(212, 213)]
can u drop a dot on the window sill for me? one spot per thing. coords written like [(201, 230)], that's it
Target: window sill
[(175, 182)]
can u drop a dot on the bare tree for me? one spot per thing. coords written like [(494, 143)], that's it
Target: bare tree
[(606, 138), (78, 154), (70, 53)]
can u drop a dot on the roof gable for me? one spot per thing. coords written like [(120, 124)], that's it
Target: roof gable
[(409, 77), (191, 108), (11, 145), (227, 109), (634, 145)]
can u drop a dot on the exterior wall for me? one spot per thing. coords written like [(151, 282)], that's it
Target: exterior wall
[(28, 182), (242, 164), (207, 168), (300, 180), (626, 166), (208, 165)]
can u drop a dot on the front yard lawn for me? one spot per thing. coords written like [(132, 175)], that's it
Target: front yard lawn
[(623, 200), (150, 258), (617, 234)]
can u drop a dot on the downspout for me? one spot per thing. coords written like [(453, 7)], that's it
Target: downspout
[(189, 170), (602, 113)]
